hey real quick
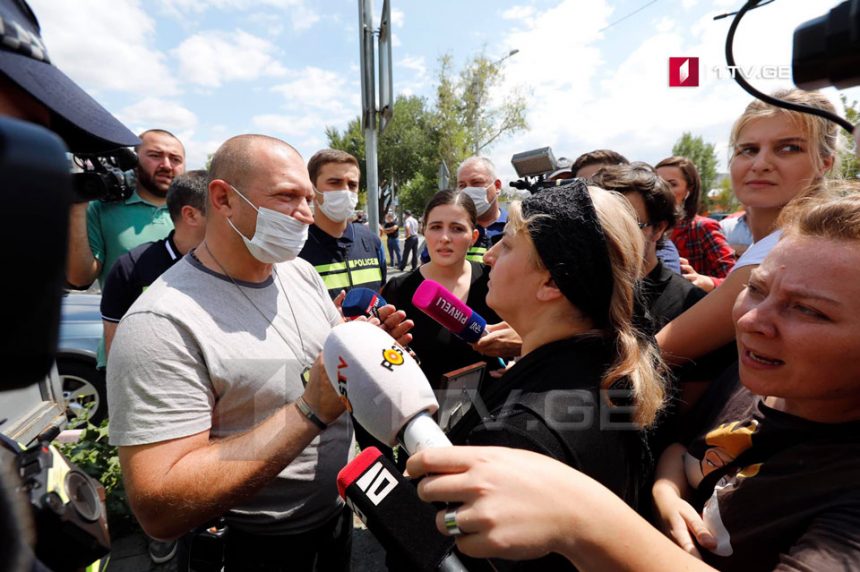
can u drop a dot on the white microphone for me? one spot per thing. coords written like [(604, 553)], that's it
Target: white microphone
[(382, 386)]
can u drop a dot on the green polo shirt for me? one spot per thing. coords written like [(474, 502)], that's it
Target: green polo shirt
[(116, 228)]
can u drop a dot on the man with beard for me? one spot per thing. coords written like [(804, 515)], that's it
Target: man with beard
[(101, 232)]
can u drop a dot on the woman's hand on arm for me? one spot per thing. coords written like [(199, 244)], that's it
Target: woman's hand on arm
[(501, 341)]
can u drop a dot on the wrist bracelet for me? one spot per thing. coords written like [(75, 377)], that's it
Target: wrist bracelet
[(308, 412)]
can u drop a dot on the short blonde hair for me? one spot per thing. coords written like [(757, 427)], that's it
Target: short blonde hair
[(823, 134)]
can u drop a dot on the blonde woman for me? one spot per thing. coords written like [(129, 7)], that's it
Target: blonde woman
[(563, 277), (777, 156)]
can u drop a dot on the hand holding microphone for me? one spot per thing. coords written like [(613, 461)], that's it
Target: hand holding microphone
[(323, 401), (383, 386), (449, 311), (364, 302), (452, 314), (389, 506)]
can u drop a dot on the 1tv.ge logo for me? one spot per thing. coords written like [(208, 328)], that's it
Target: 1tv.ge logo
[(683, 72)]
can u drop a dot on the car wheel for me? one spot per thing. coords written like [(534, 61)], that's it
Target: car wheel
[(83, 391)]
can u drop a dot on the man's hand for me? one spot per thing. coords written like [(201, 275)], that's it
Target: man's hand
[(395, 323), (501, 341), (320, 394), (338, 303)]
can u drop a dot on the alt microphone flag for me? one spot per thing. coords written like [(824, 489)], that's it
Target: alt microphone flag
[(380, 383), (388, 504), (362, 302)]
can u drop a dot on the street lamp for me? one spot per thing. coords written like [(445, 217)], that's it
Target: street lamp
[(477, 125)]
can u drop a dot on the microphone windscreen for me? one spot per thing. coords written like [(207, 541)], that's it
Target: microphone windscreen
[(449, 311), (389, 506), (381, 384), (362, 302)]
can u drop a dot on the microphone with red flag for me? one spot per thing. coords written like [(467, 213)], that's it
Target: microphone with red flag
[(382, 386), (389, 506)]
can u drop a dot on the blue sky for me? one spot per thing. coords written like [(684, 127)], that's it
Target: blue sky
[(210, 69)]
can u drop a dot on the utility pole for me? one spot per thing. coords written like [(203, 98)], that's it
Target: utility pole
[(369, 109)]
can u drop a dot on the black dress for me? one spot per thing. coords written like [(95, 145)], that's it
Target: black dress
[(550, 402), (439, 350)]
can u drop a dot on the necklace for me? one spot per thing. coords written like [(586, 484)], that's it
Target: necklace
[(305, 375)]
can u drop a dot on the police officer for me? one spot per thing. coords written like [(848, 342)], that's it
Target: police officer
[(346, 255)]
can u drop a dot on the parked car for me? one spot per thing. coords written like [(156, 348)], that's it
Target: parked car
[(84, 389)]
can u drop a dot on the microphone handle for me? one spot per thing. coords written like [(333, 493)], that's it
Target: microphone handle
[(421, 432), (452, 564)]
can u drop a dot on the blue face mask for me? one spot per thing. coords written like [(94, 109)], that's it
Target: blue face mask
[(277, 238)]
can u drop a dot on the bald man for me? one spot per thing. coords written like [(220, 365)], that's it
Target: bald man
[(219, 403)]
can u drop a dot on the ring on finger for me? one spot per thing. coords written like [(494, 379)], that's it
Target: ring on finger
[(450, 521)]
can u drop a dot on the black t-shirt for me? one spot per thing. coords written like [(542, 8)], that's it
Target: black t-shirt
[(668, 295), (388, 225), (777, 491), (439, 350), (550, 402), (134, 272)]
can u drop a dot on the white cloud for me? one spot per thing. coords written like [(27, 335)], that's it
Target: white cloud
[(395, 40), (288, 125), (414, 63), (398, 17), (665, 24), (689, 4), (105, 45), (213, 58), (322, 91), (579, 103), (300, 15), (153, 112), (518, 13)]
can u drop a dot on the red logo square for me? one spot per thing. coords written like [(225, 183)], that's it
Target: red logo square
[(683, 72)]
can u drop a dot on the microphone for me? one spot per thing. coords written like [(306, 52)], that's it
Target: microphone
[(388, 504), (382, 386), (362, 302), (452, 314)]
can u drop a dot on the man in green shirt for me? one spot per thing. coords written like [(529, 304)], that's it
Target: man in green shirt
[(100, 232)]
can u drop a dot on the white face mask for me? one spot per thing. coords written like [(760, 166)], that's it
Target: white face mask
[(338, 205), (278, 237), (479, 197)]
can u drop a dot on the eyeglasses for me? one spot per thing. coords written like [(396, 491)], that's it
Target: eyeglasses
[(642, 225)]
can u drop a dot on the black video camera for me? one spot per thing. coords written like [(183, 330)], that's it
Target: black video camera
[(827, 49), (108, 177), (533, 167)]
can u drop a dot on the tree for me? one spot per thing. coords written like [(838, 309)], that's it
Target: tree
[(704, 157), (485, 123), (849, 167), (406, 147), (467, 114)]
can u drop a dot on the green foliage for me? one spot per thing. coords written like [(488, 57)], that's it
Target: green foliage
[(479, 81), (725, 200), (849, 166), (420, 136), (93, 455), (704, 157)]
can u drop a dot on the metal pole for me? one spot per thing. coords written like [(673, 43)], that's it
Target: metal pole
[(372, 179)]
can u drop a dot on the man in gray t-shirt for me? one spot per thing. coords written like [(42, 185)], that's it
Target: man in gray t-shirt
[(206, 381)]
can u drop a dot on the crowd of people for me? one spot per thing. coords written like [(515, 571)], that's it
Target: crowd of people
[(651, 398)]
